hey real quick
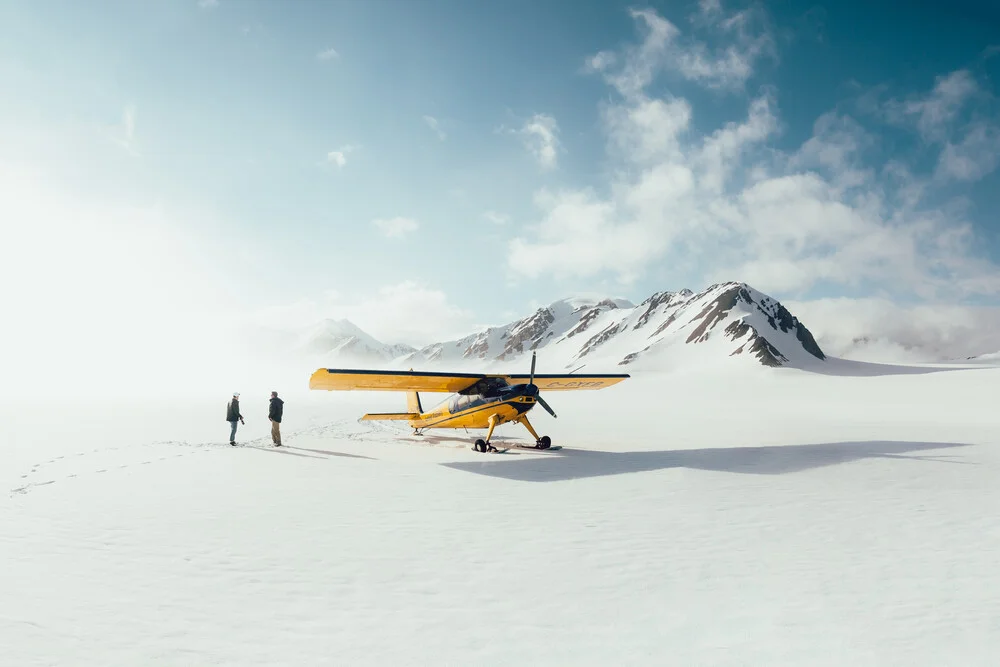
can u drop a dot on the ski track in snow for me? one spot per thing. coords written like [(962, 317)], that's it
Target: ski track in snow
[(56, 469), (153, 453)]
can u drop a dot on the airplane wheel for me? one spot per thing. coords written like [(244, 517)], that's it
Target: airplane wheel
[(480, 445), (544, 442)]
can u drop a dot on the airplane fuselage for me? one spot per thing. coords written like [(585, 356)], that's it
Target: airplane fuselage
[(475, 410)]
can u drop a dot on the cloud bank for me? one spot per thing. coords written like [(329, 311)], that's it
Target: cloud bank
[(876, 329), (727, 204)]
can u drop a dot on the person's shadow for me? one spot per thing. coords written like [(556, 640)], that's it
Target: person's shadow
[(567, 464)]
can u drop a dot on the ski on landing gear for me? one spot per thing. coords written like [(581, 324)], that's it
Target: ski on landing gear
[(538, 447)]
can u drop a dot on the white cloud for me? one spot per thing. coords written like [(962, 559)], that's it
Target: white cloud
[(327, 54), (339, 156), (433, 123), (975, 156), (649, 130), (934, 112), (397, 227), (946, 117), (728, 205), (496, 218), (125, 133), (540, 136), (723, 150), (663, 47)]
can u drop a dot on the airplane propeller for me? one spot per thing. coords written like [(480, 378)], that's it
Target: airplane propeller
[(531, 383)]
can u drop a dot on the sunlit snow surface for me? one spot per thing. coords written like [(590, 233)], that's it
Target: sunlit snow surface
[(740, 516)]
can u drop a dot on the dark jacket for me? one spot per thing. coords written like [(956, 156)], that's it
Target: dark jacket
[(233, 411), (274, 412)]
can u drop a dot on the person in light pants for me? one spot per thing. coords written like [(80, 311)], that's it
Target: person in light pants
[(274, 414), (233, 416)]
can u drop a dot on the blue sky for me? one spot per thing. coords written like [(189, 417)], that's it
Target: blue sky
[(424, 167)]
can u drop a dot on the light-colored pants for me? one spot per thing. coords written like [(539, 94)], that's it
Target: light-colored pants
[(232, 434), (275, 432)]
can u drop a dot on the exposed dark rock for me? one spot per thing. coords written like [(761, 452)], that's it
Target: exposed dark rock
[(592, 314), (585, 322), (595, 341), (808, 342), (665, 309), (480, 347), (738, 329), (527, 330), (759, 346), (785, 321), (716, 311), (632, 356), (660, 329), (652, 303)]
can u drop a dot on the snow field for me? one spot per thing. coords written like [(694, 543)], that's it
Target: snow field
[(752, 516)]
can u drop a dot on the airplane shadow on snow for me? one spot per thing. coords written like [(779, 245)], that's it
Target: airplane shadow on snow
[(570, 464)]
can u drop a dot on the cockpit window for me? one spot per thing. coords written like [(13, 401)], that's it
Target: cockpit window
[(487, 387), (460, 402)]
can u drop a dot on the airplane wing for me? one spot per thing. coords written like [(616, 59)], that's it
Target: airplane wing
[(347, 379), (567, 382)]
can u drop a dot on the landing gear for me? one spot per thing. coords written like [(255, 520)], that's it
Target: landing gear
[(543, 442), (484, 445)]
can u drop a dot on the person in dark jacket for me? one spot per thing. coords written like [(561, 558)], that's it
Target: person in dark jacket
[(274, 414), (233, 415)]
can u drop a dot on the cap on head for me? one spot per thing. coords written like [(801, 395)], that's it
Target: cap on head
[(236, 394)]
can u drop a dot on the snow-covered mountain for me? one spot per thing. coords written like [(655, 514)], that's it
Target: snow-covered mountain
[(539, 329), (727, 319), (332, 339), (666, 330)]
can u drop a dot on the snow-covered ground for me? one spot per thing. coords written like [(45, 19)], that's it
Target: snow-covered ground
[(721, 516)]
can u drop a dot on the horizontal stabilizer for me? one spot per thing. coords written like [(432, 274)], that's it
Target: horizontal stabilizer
[(390, 416)]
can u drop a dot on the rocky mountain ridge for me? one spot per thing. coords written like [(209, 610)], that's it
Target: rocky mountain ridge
[(726, 319)]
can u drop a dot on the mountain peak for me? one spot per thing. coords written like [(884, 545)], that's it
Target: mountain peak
[(727, 319), (729, 314), (341, 338), (585, 301)]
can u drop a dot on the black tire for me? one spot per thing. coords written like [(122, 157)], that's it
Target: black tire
[(544, 442), (480, 445)]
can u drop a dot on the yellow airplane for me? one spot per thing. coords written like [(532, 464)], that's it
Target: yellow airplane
[(479, 400)]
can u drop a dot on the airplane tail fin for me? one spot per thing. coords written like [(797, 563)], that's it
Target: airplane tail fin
[(413, 402)]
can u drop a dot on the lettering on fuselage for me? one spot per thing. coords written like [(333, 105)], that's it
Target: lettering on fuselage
[(575, 383)]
